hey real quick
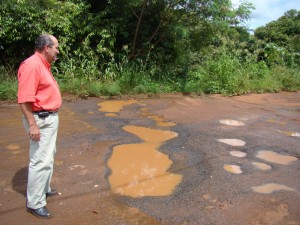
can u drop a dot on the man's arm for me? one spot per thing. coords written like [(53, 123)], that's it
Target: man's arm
[(34, 131)]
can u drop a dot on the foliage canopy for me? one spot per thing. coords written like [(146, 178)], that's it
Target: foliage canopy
[(149, 45)]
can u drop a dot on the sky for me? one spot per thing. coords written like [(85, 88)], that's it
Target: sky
[(268, 10)]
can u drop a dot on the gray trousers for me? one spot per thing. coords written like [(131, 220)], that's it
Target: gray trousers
[(41, 155)]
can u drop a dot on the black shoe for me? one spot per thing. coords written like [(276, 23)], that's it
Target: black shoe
[(40, 212), (51, 193)]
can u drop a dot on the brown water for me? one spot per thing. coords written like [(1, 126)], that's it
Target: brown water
[(261, 166), (233, 169), (160, 121), (13, 147), (139, 169), (114, 106), (270, 188), (232, 142), (238, 154), (111, 114), (234, 123), (276, 157), (290, 133)]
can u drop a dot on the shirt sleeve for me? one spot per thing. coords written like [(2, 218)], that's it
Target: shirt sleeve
[(28, 79)]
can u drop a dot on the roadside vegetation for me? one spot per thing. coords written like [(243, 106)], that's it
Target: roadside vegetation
[(120, 47)]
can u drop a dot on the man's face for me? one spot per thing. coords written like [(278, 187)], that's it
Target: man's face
[(53, 51)]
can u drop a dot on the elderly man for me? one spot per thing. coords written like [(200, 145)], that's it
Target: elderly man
[(40, 99)]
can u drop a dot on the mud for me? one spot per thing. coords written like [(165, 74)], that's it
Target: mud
[(173, 159)]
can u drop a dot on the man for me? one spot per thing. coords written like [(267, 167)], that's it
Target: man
[(40, 99)]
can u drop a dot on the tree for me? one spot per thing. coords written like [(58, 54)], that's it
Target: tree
[(101, 30), (284, 32), (23, 20)]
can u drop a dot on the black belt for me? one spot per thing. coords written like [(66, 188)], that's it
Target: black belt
[(50, 112), (44, 113)]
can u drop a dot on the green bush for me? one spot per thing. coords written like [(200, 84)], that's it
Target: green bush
[(228, 75), (8, 85), (8, 90), (289, 78)]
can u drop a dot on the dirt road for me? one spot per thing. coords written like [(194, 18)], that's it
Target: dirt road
[(172, 159)]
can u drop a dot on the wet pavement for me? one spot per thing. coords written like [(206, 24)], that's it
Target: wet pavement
[(172, 159)]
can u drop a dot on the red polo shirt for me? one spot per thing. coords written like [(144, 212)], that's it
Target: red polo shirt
[(37, 84)]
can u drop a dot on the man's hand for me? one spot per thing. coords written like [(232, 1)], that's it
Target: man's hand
[(34, 131)]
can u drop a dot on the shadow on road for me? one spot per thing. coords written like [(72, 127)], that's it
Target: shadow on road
[(19, 181)]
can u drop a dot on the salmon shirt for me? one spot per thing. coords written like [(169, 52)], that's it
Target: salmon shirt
[(37, 84)]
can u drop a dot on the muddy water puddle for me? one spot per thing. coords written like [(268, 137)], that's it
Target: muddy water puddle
[(274, 157), (159, 120), (290, 133), (140, 169), (234, 123), (232, 142), (261, 166), (238, 154), (113, 107), (270, 188), (13, 147), (235, 169)]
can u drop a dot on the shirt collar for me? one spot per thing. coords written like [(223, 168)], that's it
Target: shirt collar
[(45, 62)]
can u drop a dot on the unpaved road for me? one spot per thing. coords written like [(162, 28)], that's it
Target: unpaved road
[(173, 159)]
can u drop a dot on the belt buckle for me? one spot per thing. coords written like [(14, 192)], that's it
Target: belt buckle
[(43, 114)]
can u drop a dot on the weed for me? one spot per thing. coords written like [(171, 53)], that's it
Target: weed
[(8, 85)]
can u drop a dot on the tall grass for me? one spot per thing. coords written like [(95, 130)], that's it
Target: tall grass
[(229, 75), (8, 84), (223, 73), (113, 78)]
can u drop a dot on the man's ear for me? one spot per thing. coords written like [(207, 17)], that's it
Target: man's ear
[(47, 48)]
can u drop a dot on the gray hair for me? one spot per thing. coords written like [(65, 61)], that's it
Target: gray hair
[(42, 41)]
